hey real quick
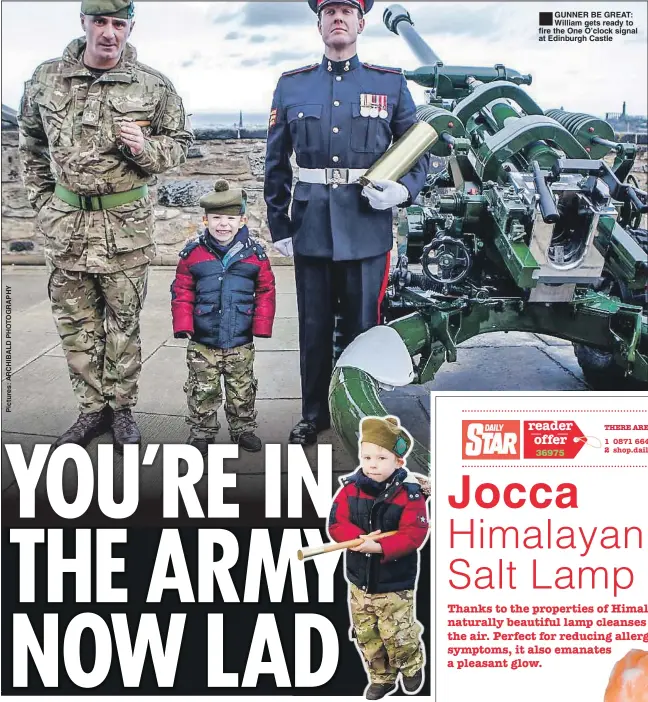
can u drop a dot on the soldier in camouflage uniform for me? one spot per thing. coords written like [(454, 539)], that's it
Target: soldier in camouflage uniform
[(383, 496), (223, 295), (95, 126)]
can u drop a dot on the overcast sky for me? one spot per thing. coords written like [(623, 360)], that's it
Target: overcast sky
[(226, 56)]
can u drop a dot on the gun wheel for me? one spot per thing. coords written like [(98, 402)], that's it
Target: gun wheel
[(599, 368)]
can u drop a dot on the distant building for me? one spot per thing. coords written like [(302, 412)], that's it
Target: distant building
[(623, 123)]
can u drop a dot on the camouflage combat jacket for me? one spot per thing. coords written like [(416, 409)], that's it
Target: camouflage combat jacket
[(69, 123)]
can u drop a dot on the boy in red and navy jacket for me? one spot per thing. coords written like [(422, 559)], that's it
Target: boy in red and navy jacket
[(223, 295), (383, 496)]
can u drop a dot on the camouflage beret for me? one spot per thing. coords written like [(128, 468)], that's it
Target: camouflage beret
[(123, 9), (386, 432), (224, 200)]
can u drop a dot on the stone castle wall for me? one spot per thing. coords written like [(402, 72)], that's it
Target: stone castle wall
[(215, 154), (176, 194)]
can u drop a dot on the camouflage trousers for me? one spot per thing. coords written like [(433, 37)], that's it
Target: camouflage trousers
[(97, 318), (204, 395), (387, 633)]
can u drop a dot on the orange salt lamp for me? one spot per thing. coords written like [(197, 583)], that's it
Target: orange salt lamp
[(629, 679)]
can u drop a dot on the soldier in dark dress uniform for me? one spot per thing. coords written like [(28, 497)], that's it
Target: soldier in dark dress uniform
[(338, 116)]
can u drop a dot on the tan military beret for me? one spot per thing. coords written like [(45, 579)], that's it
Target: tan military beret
[(224, 200), (123, 9), (386, 432)]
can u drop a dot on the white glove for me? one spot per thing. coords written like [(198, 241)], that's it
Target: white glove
[(392, 194), (284, 246)]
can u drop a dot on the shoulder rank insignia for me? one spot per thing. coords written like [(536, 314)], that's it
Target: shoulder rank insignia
[(383, 69), (300, 70)]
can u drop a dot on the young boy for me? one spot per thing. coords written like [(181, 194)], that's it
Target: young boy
[(223, 295), (383, 496)]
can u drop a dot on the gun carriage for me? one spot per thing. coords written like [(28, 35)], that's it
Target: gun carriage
[(522, 226)]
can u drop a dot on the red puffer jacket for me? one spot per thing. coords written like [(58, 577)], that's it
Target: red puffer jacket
[(223, 300), (400, 507)]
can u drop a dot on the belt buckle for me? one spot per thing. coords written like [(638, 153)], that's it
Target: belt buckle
[(85, 202), (334, 176)]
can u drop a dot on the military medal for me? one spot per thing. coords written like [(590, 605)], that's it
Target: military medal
[(372, 107), (382, 104), (365, 105)]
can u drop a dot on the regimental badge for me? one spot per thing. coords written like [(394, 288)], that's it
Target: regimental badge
[(373, 105), (400, 447), (273, 118), (422, 519)]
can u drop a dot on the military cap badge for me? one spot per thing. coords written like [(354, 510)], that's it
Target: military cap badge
[(386, 432)]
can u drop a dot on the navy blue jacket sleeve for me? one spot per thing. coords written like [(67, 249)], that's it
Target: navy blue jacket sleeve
[(278, 171), (403, 118)]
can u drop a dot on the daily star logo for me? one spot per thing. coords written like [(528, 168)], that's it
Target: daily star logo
[(486, 440)]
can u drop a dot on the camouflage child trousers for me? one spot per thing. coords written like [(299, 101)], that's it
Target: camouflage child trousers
[(97, 318), (387, 633), (204, 394)]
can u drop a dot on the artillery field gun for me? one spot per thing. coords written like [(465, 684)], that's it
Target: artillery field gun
[(522, 226)]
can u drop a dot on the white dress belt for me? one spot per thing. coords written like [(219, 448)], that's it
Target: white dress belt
[(328, 176)]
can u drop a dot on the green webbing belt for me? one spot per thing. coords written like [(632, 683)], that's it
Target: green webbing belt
[(100, 202)]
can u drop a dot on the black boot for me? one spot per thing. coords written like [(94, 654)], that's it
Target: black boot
[(414, 683), (304, 433), (377, 691), (125, 429), (201, 444), (249, 441), (86, 427)]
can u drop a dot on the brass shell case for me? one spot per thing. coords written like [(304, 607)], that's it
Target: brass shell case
[(401, 156)]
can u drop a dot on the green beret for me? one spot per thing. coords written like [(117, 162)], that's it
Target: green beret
[(123, 9), (386, 432), (224, 200)]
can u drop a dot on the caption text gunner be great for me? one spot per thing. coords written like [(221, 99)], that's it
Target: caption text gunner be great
[(587, 26)]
